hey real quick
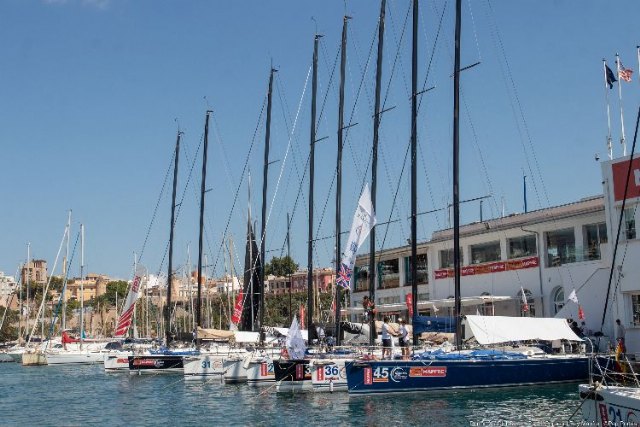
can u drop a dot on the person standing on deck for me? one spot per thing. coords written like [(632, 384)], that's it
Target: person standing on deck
[(620, 331), (386, 339), (404, 344)]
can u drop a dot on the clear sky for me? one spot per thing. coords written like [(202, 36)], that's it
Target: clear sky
[(92, 93)]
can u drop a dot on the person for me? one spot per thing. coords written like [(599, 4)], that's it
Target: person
[(368, 307), (576, 330), (386, 339), (404, 340), (620, 331)]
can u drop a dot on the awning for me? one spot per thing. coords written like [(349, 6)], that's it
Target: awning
[(438, 303), (500, 329), (214, 334)]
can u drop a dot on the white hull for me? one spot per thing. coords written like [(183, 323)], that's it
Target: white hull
[(261, 372), (203, 365), (610, 405), (117, 362), (329, 375), (235, 371), (74, 357)]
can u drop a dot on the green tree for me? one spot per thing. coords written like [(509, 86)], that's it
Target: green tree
[(281, 266), (9, 331), (108, 299)]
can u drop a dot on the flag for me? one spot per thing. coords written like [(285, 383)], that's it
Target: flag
[(625, 73), (295, 343), (609, 77), (580, 313), (435, 309), (364, 220), (130, 304), (525, 304), (573, 297), (409, 301), (237, 310), (302, 316)]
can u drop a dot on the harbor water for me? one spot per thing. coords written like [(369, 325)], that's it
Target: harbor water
[(86, 395)]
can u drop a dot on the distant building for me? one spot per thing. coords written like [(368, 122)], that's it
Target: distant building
[(35, 271), (323, 279), (92, 286), (8, 286)]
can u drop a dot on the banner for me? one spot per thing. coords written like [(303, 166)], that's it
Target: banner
[(364, 220), (409, 301), (130, 304), (620, 171), (237, 309), (492, 267)]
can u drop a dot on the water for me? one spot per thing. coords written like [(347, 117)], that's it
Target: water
[(85, 395)]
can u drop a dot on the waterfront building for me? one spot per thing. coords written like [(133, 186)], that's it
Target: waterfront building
[(8, 286), (35, 270), (323, 280)]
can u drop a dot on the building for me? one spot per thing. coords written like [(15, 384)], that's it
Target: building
[(92, 286), (545, 254), (8, 287), (323, 280), (35, 272)]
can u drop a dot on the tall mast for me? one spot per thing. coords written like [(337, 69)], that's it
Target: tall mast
[(81, 284), (28, 286), (202, 191), (343, 62), (167, 307), (456, 177), (289, 256), (65, 267), (265, 176), (314, 90), (374, 169), (414, 168)]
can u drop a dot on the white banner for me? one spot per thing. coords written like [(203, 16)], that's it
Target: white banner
[(363, 221)]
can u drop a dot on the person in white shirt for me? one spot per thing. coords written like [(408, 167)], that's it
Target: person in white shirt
[(386, 339), (404, 340)]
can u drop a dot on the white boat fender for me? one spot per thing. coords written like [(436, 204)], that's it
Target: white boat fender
[(331, 385), (246, 362)]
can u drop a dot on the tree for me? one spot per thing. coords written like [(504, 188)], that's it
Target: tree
[(9, 331), (281, 266), (108, 299)]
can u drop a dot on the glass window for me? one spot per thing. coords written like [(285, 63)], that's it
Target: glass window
[(594, 235), (446, 258), (630, 223), (635, 308), (388, 274), (485, 252), (522, 246), (361, 275), (423, 297), (393, 299), (423, 272), (558, 299), (561, 247)]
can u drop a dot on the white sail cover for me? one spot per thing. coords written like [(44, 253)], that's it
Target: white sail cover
[(295, 344), (130, 304), (364, 220), (500, 329)]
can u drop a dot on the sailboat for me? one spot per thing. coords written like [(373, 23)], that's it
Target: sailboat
[(437, 370)]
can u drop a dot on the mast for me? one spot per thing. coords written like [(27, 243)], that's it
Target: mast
[(374, 169), (456, 177), (289, 256), (343, 62), (65, 267), (265, 176), (167, 307), (414, 169), (314, 90), (202, 191), (28, 286), (81, 284)]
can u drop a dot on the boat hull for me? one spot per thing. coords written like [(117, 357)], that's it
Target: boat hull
[(235, 370), (73, 358), (610, 405), (426, 375), (261, 372), (292, 375), (156, 364), (204, 365), (117, 362)]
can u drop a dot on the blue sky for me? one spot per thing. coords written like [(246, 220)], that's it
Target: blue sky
[(92, 92)]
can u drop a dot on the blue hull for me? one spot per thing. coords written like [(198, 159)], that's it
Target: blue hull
[(425, 375)]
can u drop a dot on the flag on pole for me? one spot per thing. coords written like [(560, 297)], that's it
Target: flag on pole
[(363, 221), (573, 296), (580, 313), (302, 316), (295, 343), (609, 76), (124, 321), (237, 309), (525, 304), (625, 73)]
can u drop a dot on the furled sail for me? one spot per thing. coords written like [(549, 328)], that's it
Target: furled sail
[(124, 322)]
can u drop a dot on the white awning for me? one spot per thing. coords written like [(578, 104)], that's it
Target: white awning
[(439, 303), (500, 329)]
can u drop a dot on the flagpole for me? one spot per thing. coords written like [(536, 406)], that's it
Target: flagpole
[(622, 138), (606, 96)]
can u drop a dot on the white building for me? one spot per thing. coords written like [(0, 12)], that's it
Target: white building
[(7, 286)]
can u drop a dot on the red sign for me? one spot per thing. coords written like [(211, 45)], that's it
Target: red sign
[(409, 300), (491, 267), (320, 373), (368, 376), (299, 371), (431, 371), (620, 171), (237, 310), (263, 369), (302, 316)]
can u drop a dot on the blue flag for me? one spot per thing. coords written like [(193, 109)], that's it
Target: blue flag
[(611, 78)]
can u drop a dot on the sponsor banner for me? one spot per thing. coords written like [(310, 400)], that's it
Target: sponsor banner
[(263, 369), (431, 371), (320, 373), (409, 301), (299, 371), (368, 376), (620, 171), (237, 309), (492, 267)]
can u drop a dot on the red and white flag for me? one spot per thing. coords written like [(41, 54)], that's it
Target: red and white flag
[(124, 321), (237, 309), (302, 316), (625, 73), (525, 304)]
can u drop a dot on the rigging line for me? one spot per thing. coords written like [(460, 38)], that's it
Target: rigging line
[(520, 111), (330, 83), (244, 169), (399, 45), (475, 32), (433, 50), (69, 263), (396, 59), (155, 210)]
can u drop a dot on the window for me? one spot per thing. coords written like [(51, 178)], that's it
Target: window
[(485, 252), (486, 309), (635, 308), (393, 299), (528, 309), (446, 258), (423, 297), (422, 267), (558, 299), (388, 274), (361, 275), (561, 247), (522, 246), (630, 223), (594, 236)]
